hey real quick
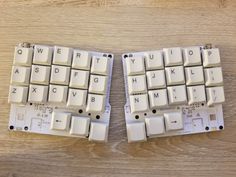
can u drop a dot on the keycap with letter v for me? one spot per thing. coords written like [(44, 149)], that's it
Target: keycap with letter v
[(173, 91), (61, 91)]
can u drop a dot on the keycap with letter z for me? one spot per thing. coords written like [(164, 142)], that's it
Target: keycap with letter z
[(173, 91), (61, 91)]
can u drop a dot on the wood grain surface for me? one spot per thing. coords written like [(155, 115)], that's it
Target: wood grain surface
[(118, 27)]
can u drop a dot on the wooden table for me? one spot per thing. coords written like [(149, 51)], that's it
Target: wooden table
[(119, 27)]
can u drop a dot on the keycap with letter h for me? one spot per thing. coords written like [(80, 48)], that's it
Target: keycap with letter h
[(60, 91), (173, 91)]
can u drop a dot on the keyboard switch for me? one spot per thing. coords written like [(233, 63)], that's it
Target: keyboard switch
[(137, 84), (136, 132), (62, 55), (194, 75), (215, 95), (95, 103), (98, 132), (173, 56), (23, 56), (211, 57), (60, 121), (173, 121), (60, 75), (138, 103), (100, 65), (80, 126), (192, 56), (57, 94), (81, 60), (38, 93), (77, 98), (177, 94), (42, 55), (155, 125), (20, 75), (79, 79), (214, 76), (18, 94), (40, 74), (158, 98), (154, 60), (98, 84), (135, 65), (196, 94), (175, 75), (156, 79)]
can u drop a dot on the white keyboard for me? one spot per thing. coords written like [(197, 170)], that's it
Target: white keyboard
[(60, 91), (173, 91)]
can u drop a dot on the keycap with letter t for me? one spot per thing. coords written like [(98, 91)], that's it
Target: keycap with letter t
[(60, 90)]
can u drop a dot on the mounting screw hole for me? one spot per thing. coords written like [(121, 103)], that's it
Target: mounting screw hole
[(202, 104), (31, 104), (145, 114), (206, 128), (221, 127), (97, 117), (89, 114), (11, 127), (125, 56), (137, 117), (154, 111), (80, 111), (110, 56), (26, 128)]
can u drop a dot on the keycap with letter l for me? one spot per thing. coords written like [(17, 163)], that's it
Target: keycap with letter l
[(60, 90), (173, 91)]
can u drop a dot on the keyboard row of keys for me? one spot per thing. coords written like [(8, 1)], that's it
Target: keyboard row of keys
[(155, 60), (45, 55), (176, 95)]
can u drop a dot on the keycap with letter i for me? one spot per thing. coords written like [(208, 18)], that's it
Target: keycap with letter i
[(59, 90), (173, 91)]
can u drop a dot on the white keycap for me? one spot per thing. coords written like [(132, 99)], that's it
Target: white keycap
[(57, 94), (60, 121), (211, 57), (194, 75), (213, 76), (81, 60), (137, 84), (95, 103), (215, 95), (158, 98), (79, 79), (100, 65), (156, 79), (18, 94), (79, 126), (60, 75), (138, 103), (175, 75), (40, 74), (38, 94), (177, 94), (42, 55), (155, 125), (98, 84), (173, 121), (76, 98), (154, 60), (62, 55), (196, 94), (173, 56), (23, 56), (98, 132), (20, 75), (192, 56), (136, 132), (135, 65)]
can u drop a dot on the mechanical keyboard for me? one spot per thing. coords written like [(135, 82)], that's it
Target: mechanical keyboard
[(173, 91), (61, 91)]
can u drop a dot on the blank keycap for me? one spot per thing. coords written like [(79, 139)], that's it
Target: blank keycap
[(81, 60), (18, 94), (57, 94), (158, 98), (98, 84), (42, 55), (136, 132), (40, 74), (98, 132), (77, 98), (211, 57), (156, 79), (154, 60), (173, 56), (192, 56), (20, 75), (155, 125), (215, 95), (23, 56), (138, 103), (196, 94), (135, 65), (173, 121), (137, 84), (95, 103), (177, 94), (79, 126), (194, 75), (60, 75), (100, 65), (38, 94), (175, 75), (213, 76), (60, 121), (62, 55), (79, 79)]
